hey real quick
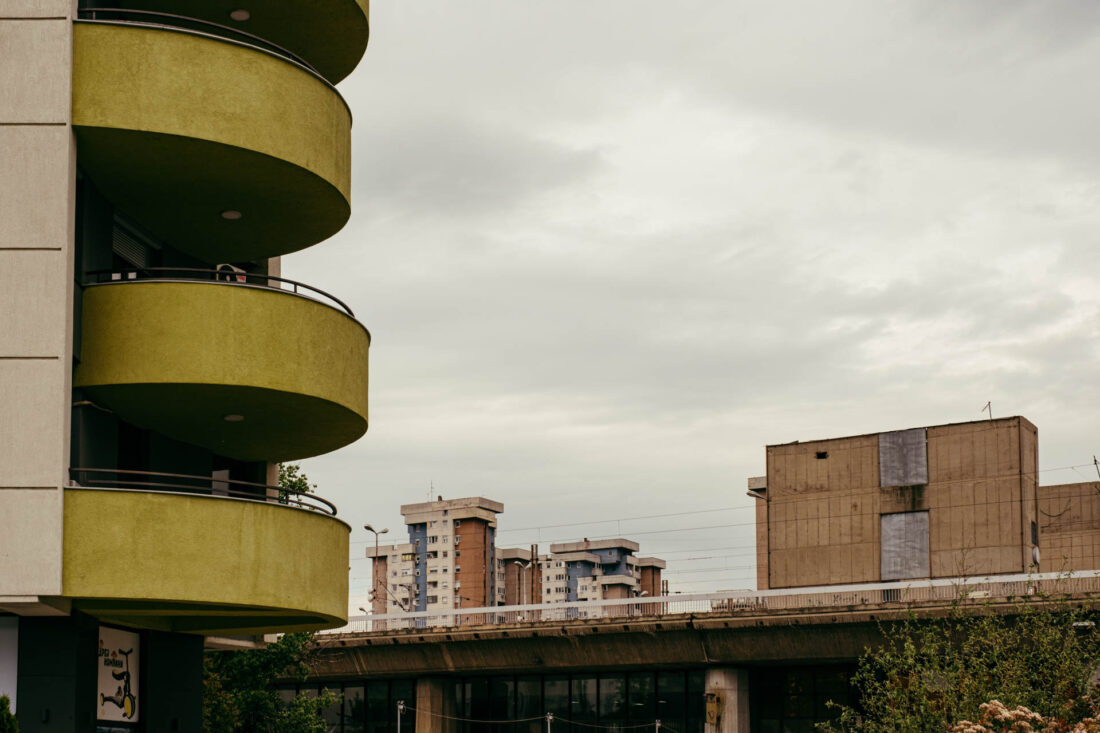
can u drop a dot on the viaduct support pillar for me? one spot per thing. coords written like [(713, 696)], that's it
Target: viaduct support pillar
[(727, 701), (435, 705)]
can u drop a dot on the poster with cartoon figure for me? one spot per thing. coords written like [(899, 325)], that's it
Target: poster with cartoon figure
[(117, 698)]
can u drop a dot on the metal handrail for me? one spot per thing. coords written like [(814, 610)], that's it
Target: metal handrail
[(183, 21), (202, 485), (740, 602), (225, 275)]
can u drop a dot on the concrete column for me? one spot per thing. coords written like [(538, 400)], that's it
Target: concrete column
[(435, 697), (37, 195), (727, 701)]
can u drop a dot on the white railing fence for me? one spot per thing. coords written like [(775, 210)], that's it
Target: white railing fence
[(904, 592)]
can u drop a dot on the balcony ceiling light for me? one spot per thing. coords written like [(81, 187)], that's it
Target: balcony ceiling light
[(234, 418), (240, 15), (231, 214)]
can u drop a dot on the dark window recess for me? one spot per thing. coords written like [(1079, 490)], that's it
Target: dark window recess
[(1034, 533), (822, 454), (132, 247)]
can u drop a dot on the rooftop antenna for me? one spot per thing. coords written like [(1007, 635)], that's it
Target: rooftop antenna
[(1097, 464), (431, 489), (989, 408)]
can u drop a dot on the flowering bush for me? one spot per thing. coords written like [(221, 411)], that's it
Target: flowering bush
[(997, 718)]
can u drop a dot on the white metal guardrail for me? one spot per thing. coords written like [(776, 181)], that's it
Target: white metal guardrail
[(991, 587)]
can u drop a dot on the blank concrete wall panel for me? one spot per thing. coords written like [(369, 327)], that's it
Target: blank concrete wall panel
[(37, 9), (36, 188), (30, 542), (34, 301), (903, 458), (33, 431), (35, 75)]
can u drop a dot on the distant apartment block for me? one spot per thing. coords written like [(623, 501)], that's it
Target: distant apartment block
[(593, 570), (932, 502), (448, 562), (451, 561)]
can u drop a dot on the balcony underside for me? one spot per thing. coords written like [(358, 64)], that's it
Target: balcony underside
[(177, 127), (178, 358), (203, 564), (330, 34)]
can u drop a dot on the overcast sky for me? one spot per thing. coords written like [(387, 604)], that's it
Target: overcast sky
[(609, 250)]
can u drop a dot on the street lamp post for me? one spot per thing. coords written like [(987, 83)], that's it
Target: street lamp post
[(522, 584), (374, 568)]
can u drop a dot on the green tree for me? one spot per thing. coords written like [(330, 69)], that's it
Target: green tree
[(931, 673), (240, 693), (292, 480), (8, 723)]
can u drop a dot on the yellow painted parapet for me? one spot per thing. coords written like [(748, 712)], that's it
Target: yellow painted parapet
[(203, 564), (177, 128), (331, 35), (288, 372)]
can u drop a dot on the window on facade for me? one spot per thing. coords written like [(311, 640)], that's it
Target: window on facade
[(444, 553), (433, 539), (458, 523), (431, 524), (447, 538)]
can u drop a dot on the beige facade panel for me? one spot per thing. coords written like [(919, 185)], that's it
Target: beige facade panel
[(37, 9), (30, 541), (34, 288), (34, 431), (36, 190), (37, 70)]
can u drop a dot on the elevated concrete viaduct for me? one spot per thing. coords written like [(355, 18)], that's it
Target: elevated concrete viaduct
[(762, 661)]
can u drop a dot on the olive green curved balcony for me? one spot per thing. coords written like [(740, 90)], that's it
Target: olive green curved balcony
[(329, 35), (220, 149), (203, 564), (250, 372)]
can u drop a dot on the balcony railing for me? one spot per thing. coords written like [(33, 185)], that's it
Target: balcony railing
[(182, 22), (1004, 588), (225, 275), (123, 480)]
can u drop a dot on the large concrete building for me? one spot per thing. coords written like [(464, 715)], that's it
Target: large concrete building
[(448, 562), (451, 561), (595, 570), (156, 160), (935, 502)]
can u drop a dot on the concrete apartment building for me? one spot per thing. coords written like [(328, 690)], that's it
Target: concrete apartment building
[(156, 160), (932, 502), (522, 578), (594, 570), (448, 562), (451, 561)]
